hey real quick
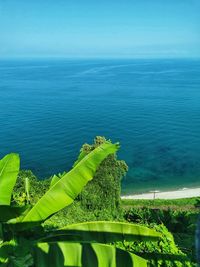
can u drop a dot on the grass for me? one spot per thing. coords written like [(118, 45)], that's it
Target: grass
[(185, 204)]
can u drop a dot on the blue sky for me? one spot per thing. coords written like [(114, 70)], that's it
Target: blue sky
[(100, 28)]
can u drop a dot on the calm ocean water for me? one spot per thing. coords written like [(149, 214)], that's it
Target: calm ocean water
[(49, 108)]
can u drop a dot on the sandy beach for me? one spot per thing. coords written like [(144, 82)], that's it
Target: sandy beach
[(182, 193)]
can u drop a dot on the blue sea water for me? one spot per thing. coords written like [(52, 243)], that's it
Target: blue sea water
[(49, 108)]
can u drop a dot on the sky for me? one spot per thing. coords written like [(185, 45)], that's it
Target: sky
[(100, 28)]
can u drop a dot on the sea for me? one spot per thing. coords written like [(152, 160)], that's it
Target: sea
[(50, 107)]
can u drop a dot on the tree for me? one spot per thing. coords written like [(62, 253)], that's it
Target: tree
[(104, 192)]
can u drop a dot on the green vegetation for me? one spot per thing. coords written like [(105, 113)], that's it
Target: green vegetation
[(37, 188), (179, 216), (163, 253), (106, 184), (24, 241), (58, 234), (177, 204)]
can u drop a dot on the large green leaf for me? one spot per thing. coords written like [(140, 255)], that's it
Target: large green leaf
[(56, 177), (9, 168), (63, 192), (27, 190), (54, 180), (84, 255), (103, 232), (80, 157)]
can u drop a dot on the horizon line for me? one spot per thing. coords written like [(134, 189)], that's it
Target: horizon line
[(28, 57)]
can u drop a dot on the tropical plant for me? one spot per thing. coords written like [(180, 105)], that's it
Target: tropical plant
[(104, 192), (24, 241), (163, 253), (98, 201), (36, 188), (180, 223)]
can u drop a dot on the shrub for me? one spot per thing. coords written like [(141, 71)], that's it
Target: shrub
[(163, 253)]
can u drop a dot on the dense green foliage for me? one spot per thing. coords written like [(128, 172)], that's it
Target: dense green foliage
[(177, 204), (103, 193), (176, 221), (24, 241), (100, 200), (163, 253), (37, 188), (180, 223), (178, 215)]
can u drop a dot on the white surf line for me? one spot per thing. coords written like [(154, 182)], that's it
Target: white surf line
[(182, 193)]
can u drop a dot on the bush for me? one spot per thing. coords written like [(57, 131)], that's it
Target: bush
[(181, 223), (36, 190), (103, 192), (176, 221), (163, 253)]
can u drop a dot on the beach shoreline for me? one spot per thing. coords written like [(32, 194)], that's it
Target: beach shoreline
[(174, 194)]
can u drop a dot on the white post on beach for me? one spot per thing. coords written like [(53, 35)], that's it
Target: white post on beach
[(154, 193)]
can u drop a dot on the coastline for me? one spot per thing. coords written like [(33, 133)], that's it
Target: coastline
[(176, 194)]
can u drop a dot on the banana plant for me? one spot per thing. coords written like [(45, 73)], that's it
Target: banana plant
[(24, 242)]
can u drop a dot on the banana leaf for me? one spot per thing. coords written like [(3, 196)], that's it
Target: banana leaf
[(54, 180), (80, 157), (102, 232), (63, 192), (9, 168), (84, 255), (27, 189)]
